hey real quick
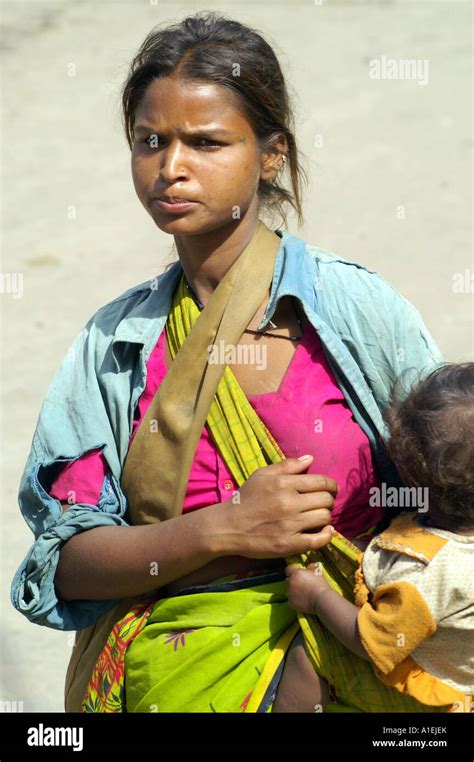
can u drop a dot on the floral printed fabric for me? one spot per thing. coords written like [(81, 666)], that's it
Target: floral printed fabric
[(106, 689)]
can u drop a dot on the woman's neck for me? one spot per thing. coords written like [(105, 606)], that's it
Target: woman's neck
[(206, 258)]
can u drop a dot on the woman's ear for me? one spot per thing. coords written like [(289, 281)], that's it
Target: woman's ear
[(273, 157)]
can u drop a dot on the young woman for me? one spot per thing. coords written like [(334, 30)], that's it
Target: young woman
[(166, 489)]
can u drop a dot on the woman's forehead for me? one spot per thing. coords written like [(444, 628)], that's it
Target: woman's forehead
[(202, 104)]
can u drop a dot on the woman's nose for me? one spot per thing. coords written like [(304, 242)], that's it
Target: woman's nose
[(173, 159)]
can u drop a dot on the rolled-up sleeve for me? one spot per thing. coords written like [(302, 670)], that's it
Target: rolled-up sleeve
[(81, 412), (33, 591)]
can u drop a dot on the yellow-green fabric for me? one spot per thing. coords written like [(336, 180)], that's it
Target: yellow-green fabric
[(204, 652), (242, 438)]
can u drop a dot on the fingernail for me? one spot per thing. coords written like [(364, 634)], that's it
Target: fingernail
[(305, 457)]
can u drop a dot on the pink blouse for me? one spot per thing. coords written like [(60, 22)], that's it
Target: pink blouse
[(308, 414)]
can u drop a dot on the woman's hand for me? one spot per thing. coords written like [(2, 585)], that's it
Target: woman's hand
[(281, 511), (305, 586)]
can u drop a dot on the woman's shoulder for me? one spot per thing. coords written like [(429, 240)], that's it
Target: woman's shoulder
[(352, 278), (128, 312), (326, 256), (131, 298), (358, 301)]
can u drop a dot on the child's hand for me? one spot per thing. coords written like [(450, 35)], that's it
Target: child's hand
[(304, 587)]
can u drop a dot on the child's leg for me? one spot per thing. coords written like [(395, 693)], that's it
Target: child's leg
[(300, 689)]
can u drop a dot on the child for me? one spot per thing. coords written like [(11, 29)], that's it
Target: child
[(413, 621)]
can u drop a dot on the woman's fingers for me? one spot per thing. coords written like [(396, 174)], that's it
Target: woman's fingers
[(314, 519), (317, 540), (324, 536), (304, 483), (305, 543)]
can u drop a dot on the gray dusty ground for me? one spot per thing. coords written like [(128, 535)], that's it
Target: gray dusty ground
[(390, 167)]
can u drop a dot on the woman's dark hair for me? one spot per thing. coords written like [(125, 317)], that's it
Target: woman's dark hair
[(432, 438), (208, 47)]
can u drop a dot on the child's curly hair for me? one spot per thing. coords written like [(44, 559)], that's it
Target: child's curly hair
[(432, 437)]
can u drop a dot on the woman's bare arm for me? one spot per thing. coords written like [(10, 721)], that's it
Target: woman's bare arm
[(121, 562)]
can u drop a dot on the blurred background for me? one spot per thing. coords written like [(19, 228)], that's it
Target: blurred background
[(390, 168)]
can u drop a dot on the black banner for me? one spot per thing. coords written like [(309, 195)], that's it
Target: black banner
[(86, 736)]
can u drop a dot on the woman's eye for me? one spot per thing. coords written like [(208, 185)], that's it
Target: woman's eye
[(210, 142), (153, 141)]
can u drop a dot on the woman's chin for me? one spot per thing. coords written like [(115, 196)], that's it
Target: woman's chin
[(184, 222)]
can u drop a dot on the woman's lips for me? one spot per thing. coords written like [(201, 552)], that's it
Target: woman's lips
[(174, 207)]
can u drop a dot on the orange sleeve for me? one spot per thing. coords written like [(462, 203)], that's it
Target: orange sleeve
[(394, 624)]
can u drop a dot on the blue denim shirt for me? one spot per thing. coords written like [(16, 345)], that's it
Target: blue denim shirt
[(369, 333)]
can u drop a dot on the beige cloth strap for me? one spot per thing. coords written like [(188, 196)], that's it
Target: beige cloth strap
[(156, 470), (157, 466)]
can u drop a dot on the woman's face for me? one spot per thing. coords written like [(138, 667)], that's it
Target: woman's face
[(177, 151)]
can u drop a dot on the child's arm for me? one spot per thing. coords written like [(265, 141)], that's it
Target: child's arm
[(310, 593)]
